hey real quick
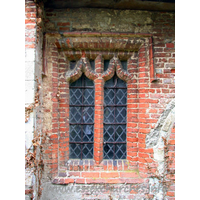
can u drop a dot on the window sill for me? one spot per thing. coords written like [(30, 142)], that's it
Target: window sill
[(90, 165), (87, 172)]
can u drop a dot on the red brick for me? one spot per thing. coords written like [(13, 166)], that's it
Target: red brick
[(170, 45), (88, 181), (109, 174), (80, 180), (128, 174), (68, 180), (90, 174), (172, 194)]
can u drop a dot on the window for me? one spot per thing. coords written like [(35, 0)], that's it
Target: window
[(115, 98), (81, 118)]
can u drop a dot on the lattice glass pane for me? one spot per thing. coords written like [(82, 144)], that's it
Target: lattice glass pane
[(109, 115), (81, 150), (108, 151), (115, 99), (86, 130), (109, 133), (120, 133), (75, 151), (81, 118), (120, 151), (88, 97), (121, 96), (120, 114), (115, 151), (109, 96), (75, 96), (88, 114), (75, 115), (75, 133), (87, 150), (88, 133)]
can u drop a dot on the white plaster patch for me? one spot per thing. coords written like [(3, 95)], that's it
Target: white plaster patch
[(28, 178), (29, 91), (29, 71), (30, 55), (158, 154)]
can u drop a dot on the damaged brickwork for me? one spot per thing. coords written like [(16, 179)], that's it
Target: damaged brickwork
[(54, 38)]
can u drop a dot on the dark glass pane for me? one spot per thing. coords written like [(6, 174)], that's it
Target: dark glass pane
[(109, 133), (120, 83), (121, 96), (115, 119), (120, 151), (75, 133), (88, 97), (109, 115), (88, 115), (106, 64), (124, 64), (88, 132), (88, 82), (75, 151), (109, 96), (87, 150), (75, 96), (75, 114), (80, 114), (92, 64), (108, 151), (120, 133), (109, 83), (120, 114), (76, 83)]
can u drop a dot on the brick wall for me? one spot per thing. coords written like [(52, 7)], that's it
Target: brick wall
[(150, 90)]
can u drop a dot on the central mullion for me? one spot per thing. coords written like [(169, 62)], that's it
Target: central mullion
[(98, 119)]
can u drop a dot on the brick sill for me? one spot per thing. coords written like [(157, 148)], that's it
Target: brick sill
[(90, 165), (87, 177)]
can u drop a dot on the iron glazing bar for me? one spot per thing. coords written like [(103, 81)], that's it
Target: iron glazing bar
[(81, 105), (82, 87), (81, 142)]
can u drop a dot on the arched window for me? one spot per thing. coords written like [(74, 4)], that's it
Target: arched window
[(115, 99), (81, 118)]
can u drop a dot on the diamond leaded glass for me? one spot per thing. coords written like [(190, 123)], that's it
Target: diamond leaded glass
[(115, 98), (81, 117)]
